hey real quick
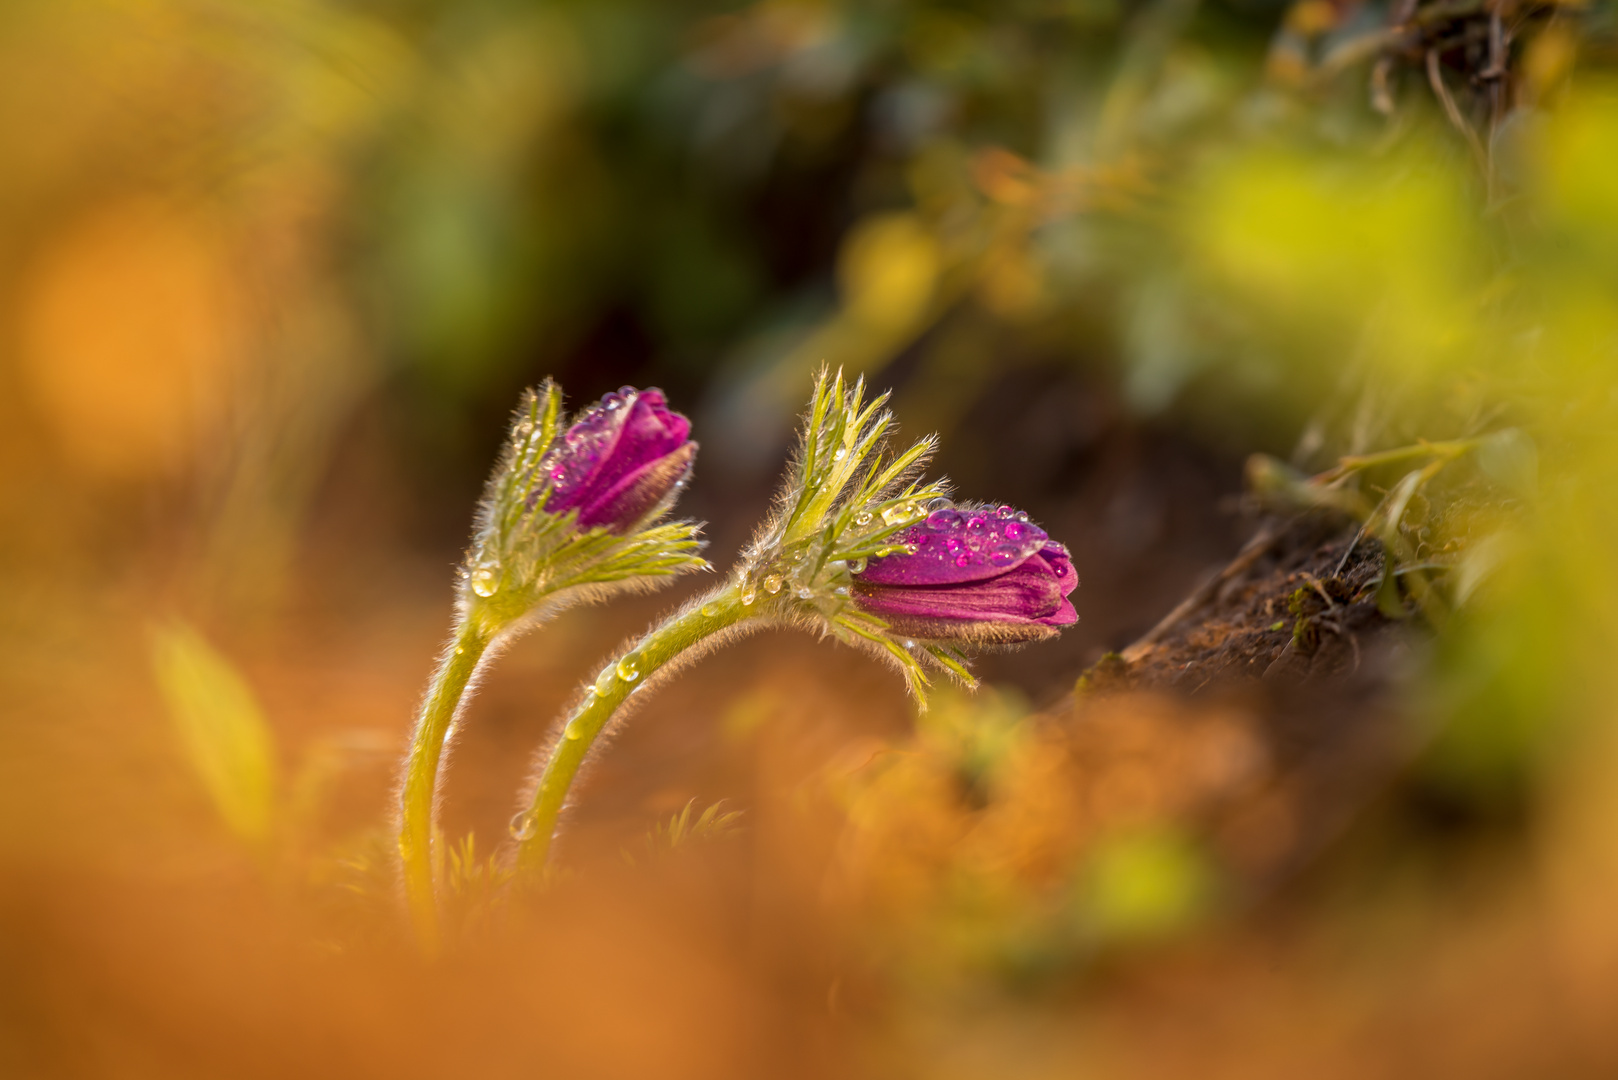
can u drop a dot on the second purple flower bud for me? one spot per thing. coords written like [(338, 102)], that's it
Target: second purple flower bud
[(972, 574)]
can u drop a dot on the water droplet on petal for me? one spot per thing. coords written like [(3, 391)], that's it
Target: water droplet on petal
[(1005, 511), (963, 560), (1015, 531), (954, 545), (941, 520), (629, 668), (1021, 515), (1005, 555), (940, 503), (977, 524), (772, 584), (856, 566), (524, 824), (612, 402)]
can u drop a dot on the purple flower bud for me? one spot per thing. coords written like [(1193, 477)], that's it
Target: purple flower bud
[(619, 460), (972, 574)]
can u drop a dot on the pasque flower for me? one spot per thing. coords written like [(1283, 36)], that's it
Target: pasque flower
[(859, 547), (620, 460), (569, 516), (971, 574)]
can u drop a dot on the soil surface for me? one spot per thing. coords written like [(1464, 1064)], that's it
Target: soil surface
[(1286, 643)]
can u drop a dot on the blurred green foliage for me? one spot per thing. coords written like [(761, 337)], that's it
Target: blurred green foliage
[(220, 728)]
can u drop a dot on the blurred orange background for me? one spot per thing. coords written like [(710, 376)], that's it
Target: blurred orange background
[(273, 273)]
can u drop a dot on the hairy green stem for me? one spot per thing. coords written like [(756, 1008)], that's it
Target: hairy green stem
[(624, 675), (418, 793)]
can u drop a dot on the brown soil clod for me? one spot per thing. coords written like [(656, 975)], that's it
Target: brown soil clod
[(1291, 635)]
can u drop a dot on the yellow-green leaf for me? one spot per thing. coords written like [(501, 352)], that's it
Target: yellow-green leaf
[(220, 728)]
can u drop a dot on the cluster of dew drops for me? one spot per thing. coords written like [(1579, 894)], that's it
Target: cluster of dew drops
[(801, 562), (576, 454), (964, 538)]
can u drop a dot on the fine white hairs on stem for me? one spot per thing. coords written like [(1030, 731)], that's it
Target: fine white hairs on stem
[(843, 501), (568, 516)]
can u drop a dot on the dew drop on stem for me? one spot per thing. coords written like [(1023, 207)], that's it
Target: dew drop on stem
[(524, 824), (486, 579)]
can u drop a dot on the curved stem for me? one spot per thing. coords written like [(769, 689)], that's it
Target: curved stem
[(418, 793), (624, 675)]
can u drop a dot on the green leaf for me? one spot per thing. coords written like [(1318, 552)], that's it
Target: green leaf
[(220, 727)]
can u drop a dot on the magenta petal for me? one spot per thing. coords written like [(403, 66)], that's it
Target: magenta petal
[(975, 575), (1065, 615), (1025, 593), (1062, 565), (636, 494), (619, 459), (957, 545)]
